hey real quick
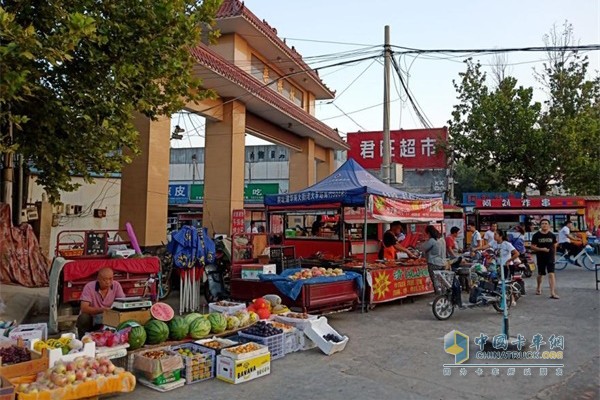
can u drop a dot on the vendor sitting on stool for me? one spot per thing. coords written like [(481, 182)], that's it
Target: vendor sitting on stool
[(390, 243), (96, 297)]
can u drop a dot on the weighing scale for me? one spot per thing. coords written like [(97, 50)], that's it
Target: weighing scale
[(131, 303)]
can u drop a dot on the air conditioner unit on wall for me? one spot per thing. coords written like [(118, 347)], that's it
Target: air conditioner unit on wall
[(69, 209)]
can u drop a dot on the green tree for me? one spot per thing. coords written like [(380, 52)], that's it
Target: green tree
[(494, 131), (472, 179), (571, 116), (73, 73)]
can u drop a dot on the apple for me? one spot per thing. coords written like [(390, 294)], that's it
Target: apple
[(111, 368), (118, 370), (103, 369), (60, 368), (71, 377), (70, 367)]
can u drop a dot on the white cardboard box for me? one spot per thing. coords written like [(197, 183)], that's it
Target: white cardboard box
[(54, 355), (252, 271), (319, 328), (29, 332), (240, 371)]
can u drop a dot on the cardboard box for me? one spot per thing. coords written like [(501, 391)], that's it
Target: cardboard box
[(164, 378), (252, 271), (29, 332), (154, 368), (38, 363), (240, 371), (7, 389), (114, 318)]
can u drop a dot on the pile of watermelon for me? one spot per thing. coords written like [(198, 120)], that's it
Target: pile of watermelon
[(165, 325)]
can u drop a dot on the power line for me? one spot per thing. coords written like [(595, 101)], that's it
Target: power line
[(411, 50)]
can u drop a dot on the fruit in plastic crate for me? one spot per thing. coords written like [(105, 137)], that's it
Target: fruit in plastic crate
[(156, 331), (199, 327), (178, 328), (218, 322), (262, 329)]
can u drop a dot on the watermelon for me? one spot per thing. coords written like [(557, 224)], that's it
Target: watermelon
[(218, 322), (232, 322), (199, 327), (190, 317), (178, 328), (137, 337), (156, 331), (131, 323), (162, 312)]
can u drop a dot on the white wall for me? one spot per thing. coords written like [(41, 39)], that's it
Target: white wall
[(103, 194)]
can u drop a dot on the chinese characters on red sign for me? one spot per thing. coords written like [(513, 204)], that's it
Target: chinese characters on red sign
[(237, 221), (413, 148), (537, 202)]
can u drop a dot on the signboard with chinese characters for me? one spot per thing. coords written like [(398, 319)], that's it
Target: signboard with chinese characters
[(389, 210), (413, 148), (95, 243), (254, 192), (237, 221), (179, 193), (535, 202), (470, 198), (394, 283)]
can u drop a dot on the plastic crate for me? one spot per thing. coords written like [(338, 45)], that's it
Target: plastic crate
[(318, 328), (275, 343), (120, 362), (199, 367), (288, 263), (291, 341)]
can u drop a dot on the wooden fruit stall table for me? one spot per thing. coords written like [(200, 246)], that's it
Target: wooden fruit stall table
[(313, 298), (393, 281)]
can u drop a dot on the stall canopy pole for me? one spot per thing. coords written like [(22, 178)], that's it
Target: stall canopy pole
[(342, 228), (363, 307)]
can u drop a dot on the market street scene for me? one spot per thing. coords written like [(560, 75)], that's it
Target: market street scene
[(218, 199)]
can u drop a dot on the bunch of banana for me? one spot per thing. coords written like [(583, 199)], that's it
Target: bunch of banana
[(51, 344)]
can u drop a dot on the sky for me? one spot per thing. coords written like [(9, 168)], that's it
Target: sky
[(318, 28)]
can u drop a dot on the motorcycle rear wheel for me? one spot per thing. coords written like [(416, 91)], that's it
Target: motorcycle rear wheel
[(442, 307), (498, 305)]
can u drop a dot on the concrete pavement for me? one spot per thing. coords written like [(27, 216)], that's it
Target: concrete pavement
[(396, 352)]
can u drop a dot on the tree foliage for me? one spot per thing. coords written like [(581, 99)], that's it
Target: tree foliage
[(501, 131), (74, 72)]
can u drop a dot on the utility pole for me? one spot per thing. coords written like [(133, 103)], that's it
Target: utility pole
[(385, 166)]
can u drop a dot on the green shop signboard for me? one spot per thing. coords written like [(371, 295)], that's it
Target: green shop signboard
[(253, 192)]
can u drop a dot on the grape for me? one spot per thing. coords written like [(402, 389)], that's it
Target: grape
[(332, 338)]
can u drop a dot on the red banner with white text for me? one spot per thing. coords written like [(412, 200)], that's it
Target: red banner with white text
[(389, 210)]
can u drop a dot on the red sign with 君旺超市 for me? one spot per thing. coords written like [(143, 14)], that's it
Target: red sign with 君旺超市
[(413, 148)]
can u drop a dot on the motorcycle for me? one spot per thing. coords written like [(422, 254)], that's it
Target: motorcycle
[(216, 277), (486, 290)]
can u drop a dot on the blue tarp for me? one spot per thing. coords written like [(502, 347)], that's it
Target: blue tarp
[(293, 288), (348, 185)]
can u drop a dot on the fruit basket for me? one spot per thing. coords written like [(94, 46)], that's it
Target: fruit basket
[(217, 344), (198, 362), (292, 319), (275, 343), (226, 307), (245, 351)]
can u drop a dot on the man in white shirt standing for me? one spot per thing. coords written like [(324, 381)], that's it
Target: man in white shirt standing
[(488, 236), (476, 242)]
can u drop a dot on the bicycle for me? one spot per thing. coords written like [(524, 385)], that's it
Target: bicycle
[(582, 259)]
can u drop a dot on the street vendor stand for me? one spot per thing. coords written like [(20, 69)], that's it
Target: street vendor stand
[(79, 257), (352, 187)]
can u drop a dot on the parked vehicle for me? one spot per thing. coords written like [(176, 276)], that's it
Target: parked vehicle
[(216, 277)]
